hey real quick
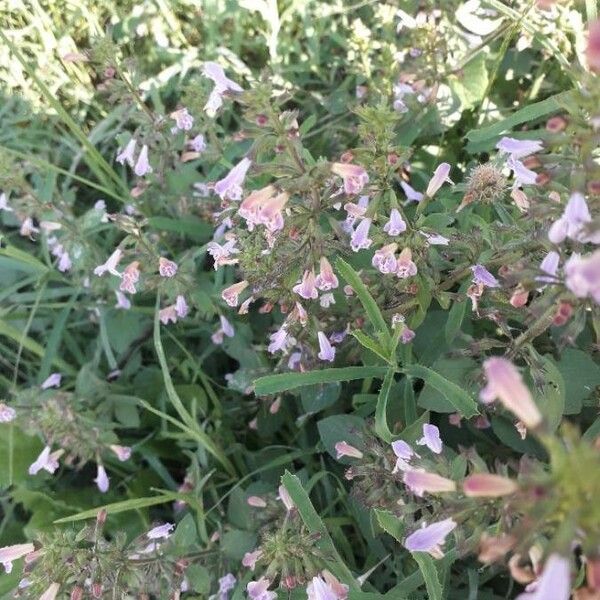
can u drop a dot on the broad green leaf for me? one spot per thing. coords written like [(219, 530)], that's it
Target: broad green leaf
[(550, 397), (471, 86), (461, 400), (341, 428), (370, 344), (318, 397), (581, 376), (185, 533), (273, 384)]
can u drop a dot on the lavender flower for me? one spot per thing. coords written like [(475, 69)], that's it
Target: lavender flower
[(142, 166), (110, 265), (53, 380), (440, 176), (582, 275), (554, 583), (518, 148), (326, 279), (523, 175), (198, 143), (354, 177), (396, 225), (160, 531), (102, 481), (482, 276), (126, 155), (307, 286), (573, 223), (327, 351), (230, 187), (183, 120), (549, 265), (430, 538), (411, 194), (9, 554), (360, 237), (431, 438), (259, 590), (7, 413), (48, 461)]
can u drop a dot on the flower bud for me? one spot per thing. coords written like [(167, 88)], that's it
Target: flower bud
[(593, 573), (76, 593), (101, 517), (494, 548), (556, 124), (97, 590), (487, 485), (593, 47)]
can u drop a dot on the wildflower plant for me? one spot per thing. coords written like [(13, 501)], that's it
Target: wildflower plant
[(301, 301)]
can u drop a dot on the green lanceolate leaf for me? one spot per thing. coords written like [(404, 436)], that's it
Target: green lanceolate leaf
[(381, 426), (372, 309), (273, 384)]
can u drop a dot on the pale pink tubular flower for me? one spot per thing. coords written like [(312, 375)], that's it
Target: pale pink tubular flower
[(166, 267), (582, 275), (53, 380), (222, 83), (231, 294), (280, 340), (321, 589), (345, 449), (251, 558), (519, 148), (259, 590), (405, 267), (129, 277), (354, 176), (307, 287), (326, 279), (183, 120), (197, 143), (126, 155), (419, 482), (251, 205), (407, 335), (51, 591), (411, 194), (338, 588), (285, 497), (269, 213), (221, 253), (488, 485), (8, 554), (226, 584), (440, 176), (181, 307), (256, 502), (102, 481), (47, 460), (431, 438), (123, 452), (230, 187), (396, 225), (142, 166), (28, 228), (384, 259), (573, 223), (505, 382), (593, 47), (430, 538), (554, 583), (360, 236), (404, 454), (110, 265), (64, 262), (168, 315), (7, 413), (327, 351)]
